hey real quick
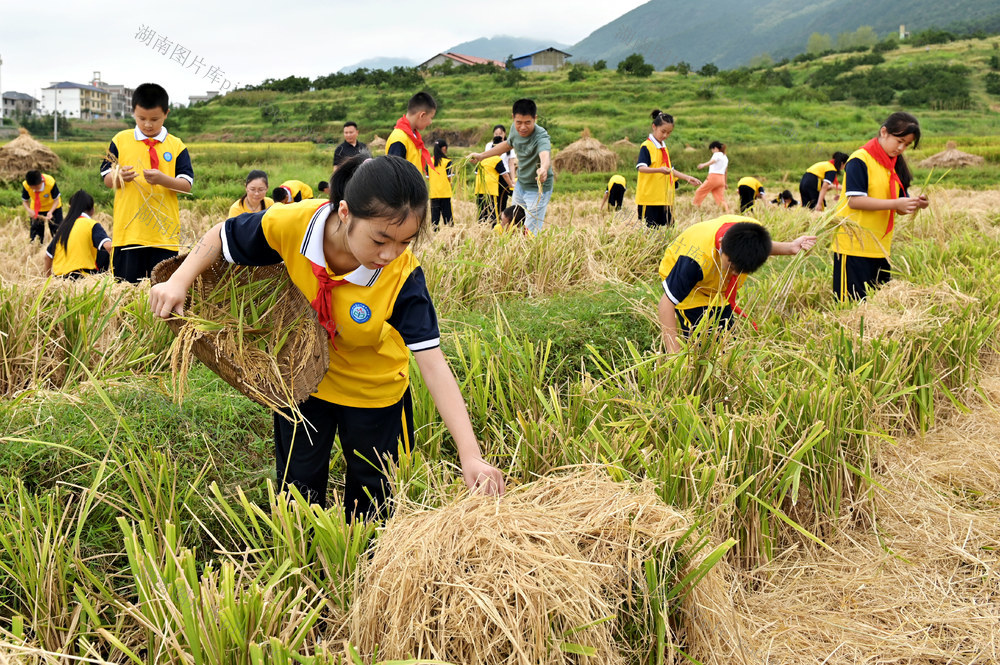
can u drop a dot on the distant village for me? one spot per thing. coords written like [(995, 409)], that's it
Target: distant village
[(98, 100)]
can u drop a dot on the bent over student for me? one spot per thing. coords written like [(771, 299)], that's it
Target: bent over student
[(350, 257), (79, 242)]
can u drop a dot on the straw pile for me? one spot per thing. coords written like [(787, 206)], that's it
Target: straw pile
[(252, 327), (951, 157), (624, 143), (24, 154), (377, 143), (586, 155), (900, 308), (521, 580), (924, 589)]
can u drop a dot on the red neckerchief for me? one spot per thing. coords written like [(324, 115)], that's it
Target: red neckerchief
[(875, 149), (37, 205), (323, 302), (154, 159), (418, 143), (663, 153), (733, 285), (835, 183)]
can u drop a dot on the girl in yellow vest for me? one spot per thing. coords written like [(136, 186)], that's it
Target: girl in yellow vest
[(254, 197), (74, 249), (350, 256), (818, 179), (489, 174), (654, 191), (439, 183), (876, 184)]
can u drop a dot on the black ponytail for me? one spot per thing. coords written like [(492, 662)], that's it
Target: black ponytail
[(660, 118), (81, 202)]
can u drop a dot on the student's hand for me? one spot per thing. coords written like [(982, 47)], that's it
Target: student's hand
[(907, 205), (154, 176), (803, 243), (128, 173), (541, 174), (48, 215), (924, 202), (665, 170), (476, 157), (483, 478), (166, 299), (671, 344), (694, 181)]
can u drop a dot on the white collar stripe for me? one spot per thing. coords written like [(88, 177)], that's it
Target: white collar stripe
[(139, 136), (312, 249)]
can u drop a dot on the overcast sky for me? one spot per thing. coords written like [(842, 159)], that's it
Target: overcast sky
[(251, 40)]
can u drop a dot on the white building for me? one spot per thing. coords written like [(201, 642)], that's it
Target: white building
[(76, 100), (121, 96)]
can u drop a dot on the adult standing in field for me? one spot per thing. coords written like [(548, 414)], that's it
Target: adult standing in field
[(40, 197), (715, 183), (350, 257), (655, 191), (818, 179), (254, 197), (351, 146), (876, 184), (405, 140), (509, 160), (533, 188)]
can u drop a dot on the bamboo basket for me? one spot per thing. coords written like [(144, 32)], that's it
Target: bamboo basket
[(300, 364)]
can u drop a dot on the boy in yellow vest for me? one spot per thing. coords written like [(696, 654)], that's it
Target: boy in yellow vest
[(40, 197), (155, 165), (704, 267), (405, 140), (292, 191), (614, 193), (818, 179)]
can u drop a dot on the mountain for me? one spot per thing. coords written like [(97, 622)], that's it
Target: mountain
[(499, 47), (731, 32), (380, 63)]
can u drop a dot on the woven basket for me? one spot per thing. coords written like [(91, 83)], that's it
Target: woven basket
[(302, 361)]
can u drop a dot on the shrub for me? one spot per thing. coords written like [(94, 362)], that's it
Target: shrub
[(683, 68), (635, 65), (705, 92), (708, 69), (993, 83), (576, 74), (600, 65)]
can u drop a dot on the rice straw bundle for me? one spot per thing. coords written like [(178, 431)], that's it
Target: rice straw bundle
[(553, 566), (252, 327), (377, 143), (900, 307), (25, 154), (951, 157), (624, 143), (587, 155)]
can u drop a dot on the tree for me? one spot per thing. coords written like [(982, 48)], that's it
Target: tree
[(819, 43), (708, 69), (576, 74), (762, 60), (600, 65), (683, 68), (635, 65)]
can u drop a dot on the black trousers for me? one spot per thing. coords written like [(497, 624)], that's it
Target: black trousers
[(748, 196), (854, 275), (130, 263), (504, 196), (688, 319), (38, 226), (656, 216), (489, 209), (441, 211), (368, 438), (809, 190)]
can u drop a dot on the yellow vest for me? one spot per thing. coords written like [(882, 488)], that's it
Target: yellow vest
[(80, 253), (500, 230), (238, 207), (412, 154), (297, 187), (146, 214), (45, 196), (752, 183), (487, 178), (872, 239), (616, 180), (698, 242), (440, 185), (370, 364), (654, 189), (822, 172)]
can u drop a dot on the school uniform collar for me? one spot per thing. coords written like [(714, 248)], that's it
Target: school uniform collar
[(312, 248), (139, 136), (656, 143)]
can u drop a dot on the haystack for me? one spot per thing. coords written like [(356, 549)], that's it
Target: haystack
[(25, 154), (624, 143), (377, 143), (587, 155), (555, 565), (951, 157), (689, 148)]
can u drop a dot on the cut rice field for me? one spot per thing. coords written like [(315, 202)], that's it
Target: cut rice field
[(823, 489)]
